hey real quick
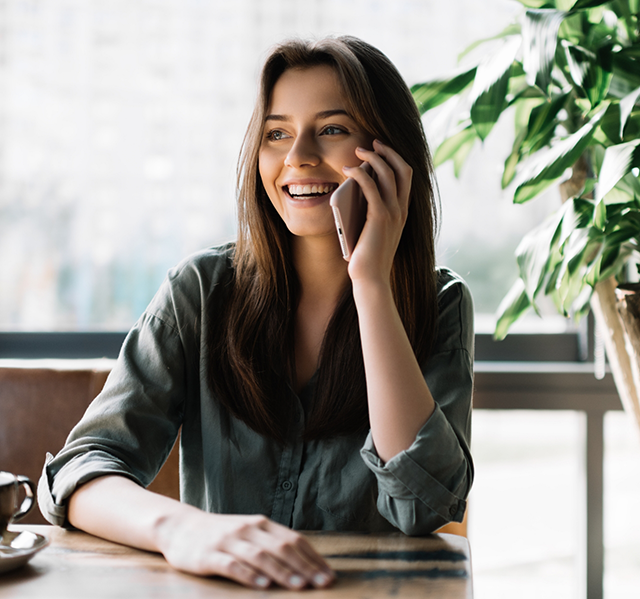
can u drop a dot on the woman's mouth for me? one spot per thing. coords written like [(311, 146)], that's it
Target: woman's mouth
[(308, 191)]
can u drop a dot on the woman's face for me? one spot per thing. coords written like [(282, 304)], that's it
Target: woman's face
[(308, 137)]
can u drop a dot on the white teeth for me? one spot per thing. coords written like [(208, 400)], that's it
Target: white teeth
[(305, 190)]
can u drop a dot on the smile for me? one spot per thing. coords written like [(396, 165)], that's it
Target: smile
[(314, 190)]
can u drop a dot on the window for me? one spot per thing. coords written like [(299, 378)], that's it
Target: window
[(121, 122)]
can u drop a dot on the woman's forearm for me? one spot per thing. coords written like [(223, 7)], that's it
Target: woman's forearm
[(400, 402), (117, 509)]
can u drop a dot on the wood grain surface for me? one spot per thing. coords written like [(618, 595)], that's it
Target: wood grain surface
[(78, 565)]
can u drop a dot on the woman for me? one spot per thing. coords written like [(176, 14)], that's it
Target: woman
[(304, 385)]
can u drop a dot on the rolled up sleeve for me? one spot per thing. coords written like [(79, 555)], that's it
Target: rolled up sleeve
[(426, 486), (130, 428)]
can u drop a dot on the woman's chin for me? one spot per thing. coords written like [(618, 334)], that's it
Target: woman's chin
[(315, 234)]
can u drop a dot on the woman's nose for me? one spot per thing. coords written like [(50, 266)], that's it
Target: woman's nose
[(303, 152)]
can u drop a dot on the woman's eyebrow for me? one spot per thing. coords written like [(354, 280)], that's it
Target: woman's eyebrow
[(325, 114), (277, 117)]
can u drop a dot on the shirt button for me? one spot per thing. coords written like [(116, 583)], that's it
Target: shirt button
[(287, 485), (453, 510)]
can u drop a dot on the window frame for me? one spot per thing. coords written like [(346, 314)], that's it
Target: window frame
[(574, 346)]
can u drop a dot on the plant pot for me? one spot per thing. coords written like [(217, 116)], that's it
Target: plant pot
[(617, 314)]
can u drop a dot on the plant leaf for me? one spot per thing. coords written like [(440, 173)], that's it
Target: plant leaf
[(600, 216), (608, 132), (430, 94), (546, 166), (623, 195), (584, 249), (542, 123), (628, 11), (539, 41), (622, 215), (614, 260), (524, 106), (580, 305), (490, 86), (632, 128), (461, 156), (511, 29), (533, 3), (535, 250), (579, 61), (513, 305), (626, 106), (633, 220), (578, 214), (581, 247), (451, 146), (591, 71), (592, 276), (599, 76), (511, 162), (618, 161), (626, 71), (581, 4), (620, 237)]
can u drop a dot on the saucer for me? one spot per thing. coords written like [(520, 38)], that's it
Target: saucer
[(17, 548)]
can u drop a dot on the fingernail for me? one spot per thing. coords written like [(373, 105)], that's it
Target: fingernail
[(346, 168), (262, 581), (320, 579), (296, 581)]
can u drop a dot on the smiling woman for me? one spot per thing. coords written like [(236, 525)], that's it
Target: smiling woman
[(311, 393), (308, 126)]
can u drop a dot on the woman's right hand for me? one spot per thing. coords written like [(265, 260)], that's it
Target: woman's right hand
[(251, 550)]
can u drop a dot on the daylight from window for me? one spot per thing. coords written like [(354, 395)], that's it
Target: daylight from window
[(121, 123)]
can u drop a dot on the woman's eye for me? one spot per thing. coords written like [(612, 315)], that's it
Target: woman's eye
[(275, 135), (333, 130)]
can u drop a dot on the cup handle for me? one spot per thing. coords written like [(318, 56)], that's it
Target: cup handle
[(29, 499)]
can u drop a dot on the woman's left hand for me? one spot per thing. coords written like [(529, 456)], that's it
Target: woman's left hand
[(387, 207)]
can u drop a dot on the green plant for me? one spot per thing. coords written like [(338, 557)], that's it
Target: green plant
[(569, 75)]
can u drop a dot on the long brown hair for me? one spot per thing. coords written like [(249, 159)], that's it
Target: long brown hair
[(251, 363)]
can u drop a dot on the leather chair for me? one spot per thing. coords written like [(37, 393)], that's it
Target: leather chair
[(40, 402)]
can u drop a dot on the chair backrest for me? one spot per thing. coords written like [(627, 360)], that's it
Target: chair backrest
[(456, 528), (40, 402)]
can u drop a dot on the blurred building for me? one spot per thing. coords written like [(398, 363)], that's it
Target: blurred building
[(120, 126)]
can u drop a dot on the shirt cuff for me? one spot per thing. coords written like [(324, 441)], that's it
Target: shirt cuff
[(54, 513), (442, 487)]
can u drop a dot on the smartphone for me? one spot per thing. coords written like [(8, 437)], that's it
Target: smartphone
[(350, 213)]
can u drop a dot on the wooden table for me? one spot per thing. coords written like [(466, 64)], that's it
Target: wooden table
[(78, 565)]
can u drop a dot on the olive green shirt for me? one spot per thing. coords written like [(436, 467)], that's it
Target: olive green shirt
[(159, 385)]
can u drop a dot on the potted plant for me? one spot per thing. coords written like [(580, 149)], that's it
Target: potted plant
[(568, 74)]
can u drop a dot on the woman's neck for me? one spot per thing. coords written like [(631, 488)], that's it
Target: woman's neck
[(321, 269), (323, 276)]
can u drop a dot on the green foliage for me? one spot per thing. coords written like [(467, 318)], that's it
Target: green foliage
[(569, 71)]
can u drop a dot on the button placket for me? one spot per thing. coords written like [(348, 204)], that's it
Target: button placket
[(290, 464)]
